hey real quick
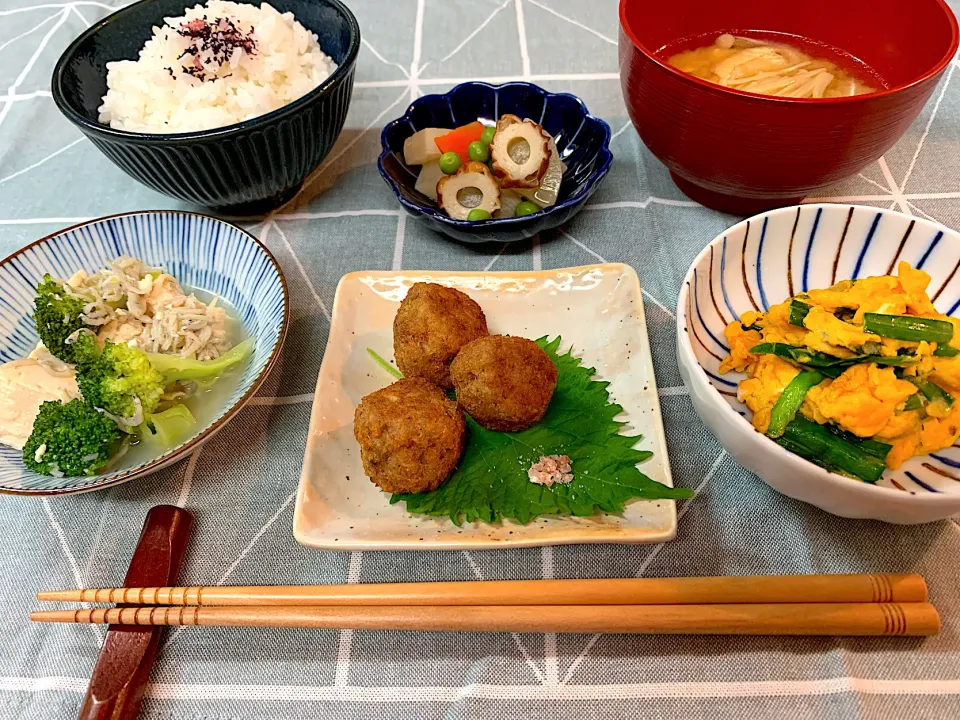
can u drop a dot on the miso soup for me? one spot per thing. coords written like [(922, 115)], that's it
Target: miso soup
[(762, 66)]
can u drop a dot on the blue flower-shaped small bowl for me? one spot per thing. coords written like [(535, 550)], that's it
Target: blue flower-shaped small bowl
[(205, 255), (582, 140)]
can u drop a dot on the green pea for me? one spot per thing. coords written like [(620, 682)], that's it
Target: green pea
[(487, 136), (478, 214), (449, 163), (526, 208), (478, 152)]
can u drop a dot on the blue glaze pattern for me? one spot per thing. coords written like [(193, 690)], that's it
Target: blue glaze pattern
[(201, 252), (819, 245)]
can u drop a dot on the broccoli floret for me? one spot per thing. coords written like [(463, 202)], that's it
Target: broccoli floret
[(70, 440), (164, 430), (115, 377), (85, 348), (57, 317), (112, 377), (175, 368)]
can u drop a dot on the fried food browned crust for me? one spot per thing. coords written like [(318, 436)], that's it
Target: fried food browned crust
[(431, 325), (411, 436), (504, 383)]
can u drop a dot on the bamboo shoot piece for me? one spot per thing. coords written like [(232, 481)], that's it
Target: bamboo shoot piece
[(428, 178), (421, 147)]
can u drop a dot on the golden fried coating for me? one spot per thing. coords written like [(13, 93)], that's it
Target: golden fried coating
[(504, 383), (411, 436), (430, 327)]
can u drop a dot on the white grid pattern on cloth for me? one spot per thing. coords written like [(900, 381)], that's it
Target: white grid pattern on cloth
[(243, 504)]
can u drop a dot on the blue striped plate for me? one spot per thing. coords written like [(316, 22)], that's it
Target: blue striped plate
[(761, 261), (203, 253)]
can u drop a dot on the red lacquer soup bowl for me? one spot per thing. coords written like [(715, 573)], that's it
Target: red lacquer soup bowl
[(745, 153)]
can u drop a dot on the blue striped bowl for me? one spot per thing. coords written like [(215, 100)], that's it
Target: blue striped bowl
[(203, 253), (762, 261)]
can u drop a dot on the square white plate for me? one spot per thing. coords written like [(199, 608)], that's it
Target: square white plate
[(598, 309)]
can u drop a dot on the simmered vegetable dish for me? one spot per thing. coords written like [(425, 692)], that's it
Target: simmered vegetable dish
[(478, 172)]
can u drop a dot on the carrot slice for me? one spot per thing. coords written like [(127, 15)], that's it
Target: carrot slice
[(458, 139)]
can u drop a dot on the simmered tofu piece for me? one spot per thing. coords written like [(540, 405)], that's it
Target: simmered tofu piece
[(24, 386)]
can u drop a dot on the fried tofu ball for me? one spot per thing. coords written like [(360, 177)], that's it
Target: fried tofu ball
[(411, 436), (504, 383), (431, 325)]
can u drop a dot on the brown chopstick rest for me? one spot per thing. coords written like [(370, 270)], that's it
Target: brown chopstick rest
[(127, 657)]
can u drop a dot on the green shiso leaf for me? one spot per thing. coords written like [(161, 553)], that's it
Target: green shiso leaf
[(491, 480), (384, 364)]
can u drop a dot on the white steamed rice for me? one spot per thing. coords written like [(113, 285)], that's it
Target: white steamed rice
[(168, 91)]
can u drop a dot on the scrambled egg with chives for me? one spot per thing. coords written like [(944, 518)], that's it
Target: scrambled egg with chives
[(876, 385)]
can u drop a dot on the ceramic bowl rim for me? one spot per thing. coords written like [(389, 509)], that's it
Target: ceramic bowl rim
[(743, 426), (343, 71), (939, 67), (595, 177), (183, 448)]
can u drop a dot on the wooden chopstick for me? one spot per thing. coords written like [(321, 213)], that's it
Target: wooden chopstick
[(901, 619), (872, 588)]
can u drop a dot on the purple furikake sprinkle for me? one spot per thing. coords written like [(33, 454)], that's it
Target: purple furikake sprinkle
[(216, 40)]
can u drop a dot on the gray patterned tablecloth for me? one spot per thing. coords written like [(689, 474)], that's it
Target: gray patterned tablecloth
[(241, 485)]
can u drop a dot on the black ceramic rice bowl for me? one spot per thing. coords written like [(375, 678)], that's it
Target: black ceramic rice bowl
[(245, 168)]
